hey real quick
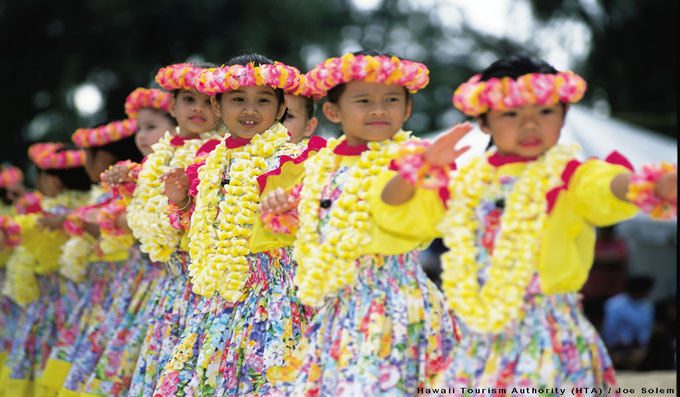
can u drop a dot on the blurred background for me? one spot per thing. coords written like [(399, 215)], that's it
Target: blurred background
[(71, 64)]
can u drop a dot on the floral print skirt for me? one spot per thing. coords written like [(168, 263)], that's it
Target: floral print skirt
[(167, 313), (388, 334), (10, 317), (553, 346), (227, 347)]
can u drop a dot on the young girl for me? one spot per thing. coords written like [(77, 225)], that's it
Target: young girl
[(172, 299), (32, 279), (299, 117), (101, 270), (382, 326), (113, 371), (520, 229), (252, 318)]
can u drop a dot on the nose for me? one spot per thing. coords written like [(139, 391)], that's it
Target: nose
[(378, 109)]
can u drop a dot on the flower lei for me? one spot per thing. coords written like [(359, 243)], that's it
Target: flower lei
[(20, 283), (44, 155), (324, 268), (74, 256), (9, 176), (220, 231), (180, 76), (641, 191), (491, 307), (11, 229), (413, 76), (412, 166), (228, 78), (102, 135), (146, 98), (475, 97), (29, 203), (147, 212)]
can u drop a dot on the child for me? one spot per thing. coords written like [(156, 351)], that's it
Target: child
[(172, 299), (101, 271), (382, 326), (299, 116), (520, 231), (32, 275), (251, 318), (113, 371)]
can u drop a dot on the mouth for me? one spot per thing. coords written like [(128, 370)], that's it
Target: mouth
[(248, 123), (529, 142), (378, 123), (197, 119)]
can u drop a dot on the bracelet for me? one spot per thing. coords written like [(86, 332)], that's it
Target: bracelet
[(283, 223), (641, 191), (410, 163), (187, 205)]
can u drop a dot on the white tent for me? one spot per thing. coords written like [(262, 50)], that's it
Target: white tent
[(653, 244)]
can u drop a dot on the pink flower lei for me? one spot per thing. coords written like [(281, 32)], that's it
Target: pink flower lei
[(102, 135), (374, 69), (45, 157), (9, 176), (475, 97), (227, 78), (146, 98), (181, 76)]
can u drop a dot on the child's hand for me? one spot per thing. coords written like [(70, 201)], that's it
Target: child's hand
[(177, 186), (442, 152), (277, 201), (117, 175), (52, 222), (666, 187)]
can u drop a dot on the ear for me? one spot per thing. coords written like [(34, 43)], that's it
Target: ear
[(332, 112), (310, 126), (216, 105), (281, 110), (482, 125), (171, 108), (409, 109)]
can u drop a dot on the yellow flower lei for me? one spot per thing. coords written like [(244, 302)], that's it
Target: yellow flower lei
[(219, 233), (324, 268), (147, 212), (491, 307)]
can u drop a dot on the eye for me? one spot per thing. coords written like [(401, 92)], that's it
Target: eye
[(509, 113), (188, 99), (237, 99), (264, 100), (547, 110), (361, 100), (393, 99)]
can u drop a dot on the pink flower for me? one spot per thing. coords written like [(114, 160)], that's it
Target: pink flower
[(389, 376)]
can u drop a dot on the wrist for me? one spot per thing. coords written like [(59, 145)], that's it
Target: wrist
[(413, 167)]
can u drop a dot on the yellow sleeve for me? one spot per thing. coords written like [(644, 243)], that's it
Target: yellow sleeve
[(416, 219), (589, 193)]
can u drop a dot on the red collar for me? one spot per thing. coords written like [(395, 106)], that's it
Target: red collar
[(233, 142), (345, 149), (498, 160), (180, 140)]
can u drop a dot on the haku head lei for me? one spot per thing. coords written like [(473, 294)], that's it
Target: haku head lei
[(105, 134), (146, 98), (181, 76), (45, 156), (227, 78), (476, 97), (9, 176), (374, 69)]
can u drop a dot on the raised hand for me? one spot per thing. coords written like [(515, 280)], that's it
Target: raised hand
[(117, 175), (52, 222), (442, 151), (277, 201), (177, 186), (666, 187)]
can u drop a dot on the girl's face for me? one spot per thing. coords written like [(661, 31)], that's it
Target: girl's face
[(248, 111), (297, 123), (193, 113), (96, 162), (151, 126), (48, 185), (369, 111), (527, 131)]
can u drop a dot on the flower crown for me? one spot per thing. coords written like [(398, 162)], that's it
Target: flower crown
[(105, 134), (146, 98), (9, 176), (226, 78), (180, 76), (45, 156), (475, 97), (374, 69)]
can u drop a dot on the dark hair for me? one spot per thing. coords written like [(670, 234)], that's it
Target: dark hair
[(309, 108), (122, 149), (203, 65), (639, 286), (3, 196), (72, 178), (334, 93), (257, 60)]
